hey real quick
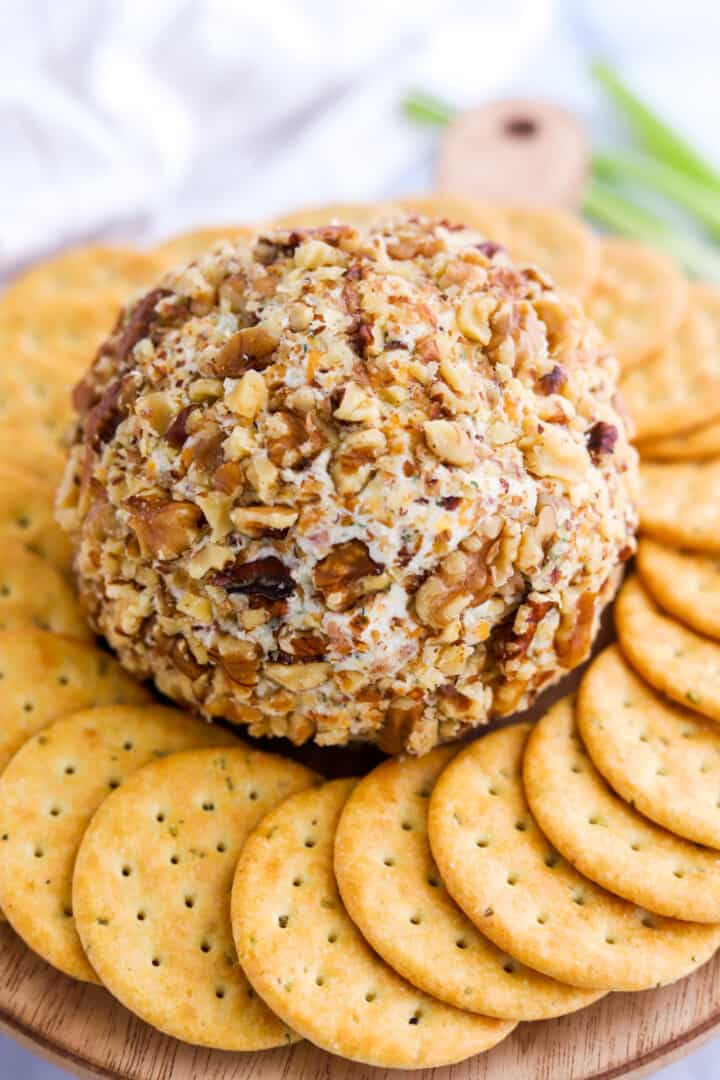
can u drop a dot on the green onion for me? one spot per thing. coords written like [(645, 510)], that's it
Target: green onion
[(626, 218), (700, 201), (427, 109), (653, 133)]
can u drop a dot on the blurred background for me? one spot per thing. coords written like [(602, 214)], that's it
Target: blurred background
[(135, 119)]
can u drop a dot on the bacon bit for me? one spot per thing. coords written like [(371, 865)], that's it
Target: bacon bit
[(177, 433), (602, 438), (163, 528), (266, 577), (339, 576), (553, 381), (248, 349)]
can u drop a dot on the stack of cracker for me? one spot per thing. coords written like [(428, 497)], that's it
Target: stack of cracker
[(235, 900)]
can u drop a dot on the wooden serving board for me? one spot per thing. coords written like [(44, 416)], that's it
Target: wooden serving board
[(84, 1030)]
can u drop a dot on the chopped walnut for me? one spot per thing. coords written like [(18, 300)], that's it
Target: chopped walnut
[(251, 348), (164, 529), (343, 575)]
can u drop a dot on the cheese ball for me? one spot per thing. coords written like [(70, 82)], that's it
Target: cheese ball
[(351, 484)]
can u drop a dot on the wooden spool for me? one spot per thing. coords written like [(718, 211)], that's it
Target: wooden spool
[(516, 151)]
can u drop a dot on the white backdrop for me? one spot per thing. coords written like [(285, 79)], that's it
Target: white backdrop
[(139, 117)]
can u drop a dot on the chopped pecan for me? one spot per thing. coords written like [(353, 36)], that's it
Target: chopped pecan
[(506, 643), (267, 577), (601, 438), (135, 327), (401, 717), (293, 439), (184, 660), (105, 417), (249, 349), (229, 477), (164, 529), (260, 521), (177, 432), (553, 381), (342, 575), (426, 350), (241, 664), (574, 635), (205, 451)]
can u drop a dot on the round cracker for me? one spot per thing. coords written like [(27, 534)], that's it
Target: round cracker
[(48, 794), (27, 516), (658, 756), (361, 214), (189, 245), (30, 449), (64, 333), (151, 892), (678, 387), (30, 396), (673, 659), (514, 886), (680, 504), (559, 243), (307, 959), (393, 892), (458, 210), (604, 837), (34, 593), (698, 445), (685, 584), (45, 676), (85, 272), (638, 299)]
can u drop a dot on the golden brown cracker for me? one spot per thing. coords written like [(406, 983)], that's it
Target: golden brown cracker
[(678, 386), (394, 894), (45, 676), (559, 243), (517, 889), (49, 792), (638, 299), (680, 504), (685, 584), (151, 892), (605, 838), (659, 757), (34, 593), (27, 516), (306, 958), (676, 661)]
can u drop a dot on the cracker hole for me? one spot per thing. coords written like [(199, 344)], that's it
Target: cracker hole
[(103, 922), (461, 943), (189, 901), (521, 826), (648, 922), (113, 784), (482, 843), (141, 915), (424, 792), (297, 882), (635, 847), (221, 847), (160, 816), (156, 961), (28, 706), (127, 745), (126, 871), (509, 967), (575, 768), (493, 790), (433, 882), (208, 806), (415, 920), (512, 879), (578, 898), (541, 919), (55, 811), (309, 842), (332, 937), (253, 795), (69, 770), (319, 980), (42, 740), (63, 680), (283, 921), (407, 826), (415, 1018), (38, 853), (610, 940), (679, 873), (552, 860), (220, 992), (388, 861), (174, 859), (370, 996), (205, 947)]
